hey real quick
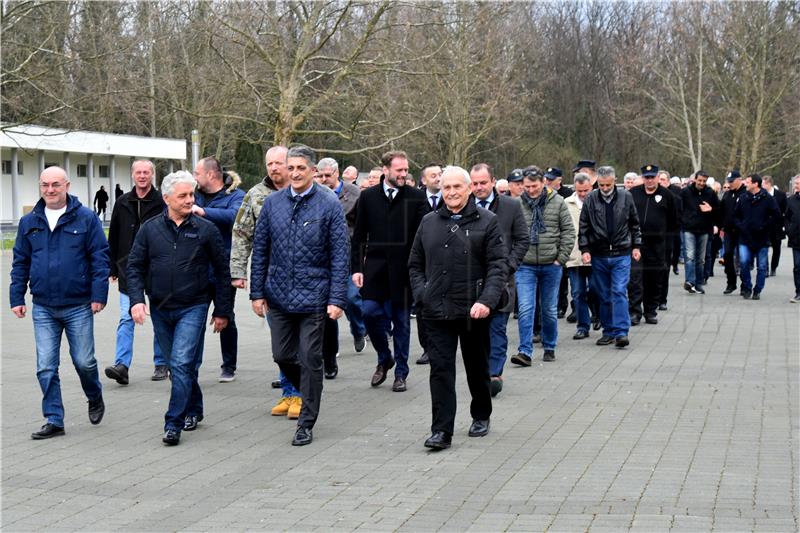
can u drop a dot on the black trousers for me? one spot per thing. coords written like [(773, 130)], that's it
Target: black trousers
[(664, 286), (731, 244), (563, 289), (422, 334), (644, 286), (330, 344), (443, 339), (229, 337), (775, 242), (297, 348)]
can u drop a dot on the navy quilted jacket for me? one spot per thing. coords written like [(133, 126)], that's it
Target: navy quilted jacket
[(301, 252)]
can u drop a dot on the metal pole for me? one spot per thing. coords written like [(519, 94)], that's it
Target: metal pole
[(15, 185), (112, 185), (195, 148), (90, 178)]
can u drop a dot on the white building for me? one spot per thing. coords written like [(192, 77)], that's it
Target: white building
[(90, 158)]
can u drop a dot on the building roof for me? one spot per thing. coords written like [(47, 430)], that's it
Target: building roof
[(32, 137)]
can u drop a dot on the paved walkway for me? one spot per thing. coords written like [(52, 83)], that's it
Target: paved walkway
[(694, 427)]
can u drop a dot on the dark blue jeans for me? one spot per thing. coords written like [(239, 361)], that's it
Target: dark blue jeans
[(547, 279), (48, 325), (124, 353), (695, 258), (796, 270), (609, 281), (498, 339), (382, 317), (579, 282), (180, 335), (229, 340), (746, 257)]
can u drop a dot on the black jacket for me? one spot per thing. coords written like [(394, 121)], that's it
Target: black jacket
[(658, 216), (694, 220), (130, 212), (792, 220), (755, 216), (676, 194), (777, 228), (593, 234), (455, 263), (516, 239), (726, 208), (172, 264), (382, 239)]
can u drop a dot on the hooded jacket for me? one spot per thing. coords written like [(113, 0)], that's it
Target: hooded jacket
[(64, 267)]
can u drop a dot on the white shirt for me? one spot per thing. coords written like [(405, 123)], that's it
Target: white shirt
[(386, 190), (438, 197), (488, 200), (53, 215)]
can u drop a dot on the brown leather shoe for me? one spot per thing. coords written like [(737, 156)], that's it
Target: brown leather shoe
[(399, 385), (380, 373)]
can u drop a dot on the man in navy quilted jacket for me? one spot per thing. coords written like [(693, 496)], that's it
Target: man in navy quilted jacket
[(299, 276)]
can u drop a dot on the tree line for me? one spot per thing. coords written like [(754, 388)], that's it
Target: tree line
[(686, 85)]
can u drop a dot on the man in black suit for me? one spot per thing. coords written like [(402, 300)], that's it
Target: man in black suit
[(429, 180), (388, 215), (512, 224), (777, 235)]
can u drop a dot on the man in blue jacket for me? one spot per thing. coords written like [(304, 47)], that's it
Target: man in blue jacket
[(218, 200), (62, 253), (171, 258), (299, 276), (755, 215)]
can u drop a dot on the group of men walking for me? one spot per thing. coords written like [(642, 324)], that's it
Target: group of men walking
[(455, 252)]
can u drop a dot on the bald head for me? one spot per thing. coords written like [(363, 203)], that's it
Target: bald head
[(276, 159), (54, 187)]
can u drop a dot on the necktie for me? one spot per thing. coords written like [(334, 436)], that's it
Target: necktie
[(391, 194), (483, 203), (433, 203)]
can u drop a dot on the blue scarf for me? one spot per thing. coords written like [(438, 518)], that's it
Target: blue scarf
[(537, 214)]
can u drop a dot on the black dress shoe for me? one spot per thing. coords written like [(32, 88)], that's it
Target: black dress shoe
[(549, 355), (605, 340), (380, 373), (580, 334), (728, 289), (302, 437), (596, 324), (537, 339), (756, 296), (675, 270), (424, 359), (635, 320), (160, 373), (48, 431), (479, 428), (572, 318), (772, 273), (190, 424), (276, 384), (399, 385), (662, 307), (621, 342), (495, 385), (171, 437), (359, 343), (561, 314), (118, 373), (96, 410), (439, 441), (651, 320), (331, 373)]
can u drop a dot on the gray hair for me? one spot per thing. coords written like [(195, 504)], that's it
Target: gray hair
[(277, 149), (795, 179), (606, 172), (630, 176), (453, 169), (148, 162), (303, 151), (179, 176), (328, 163), (582, 177)]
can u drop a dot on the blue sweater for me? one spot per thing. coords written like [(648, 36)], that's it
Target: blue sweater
[(67, 266), (301, 252)]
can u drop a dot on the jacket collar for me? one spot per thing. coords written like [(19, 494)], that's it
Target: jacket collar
[(469, 212), (73, 203)]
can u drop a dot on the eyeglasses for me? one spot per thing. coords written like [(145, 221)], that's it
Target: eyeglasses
[(54, 185)]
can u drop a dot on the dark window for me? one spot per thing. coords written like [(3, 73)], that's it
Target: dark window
[(82, 171), (7, 167), (102, 170), (48, 165)]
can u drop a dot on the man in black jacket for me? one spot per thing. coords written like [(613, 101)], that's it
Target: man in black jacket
[(657, 219), (512, 224), (792, 219), (608, 237), (429, 176), (131, 210), (730, 234), (755, 215), (777, 234), (458, 270), (700, 209), (387, 218), (171, 259)]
